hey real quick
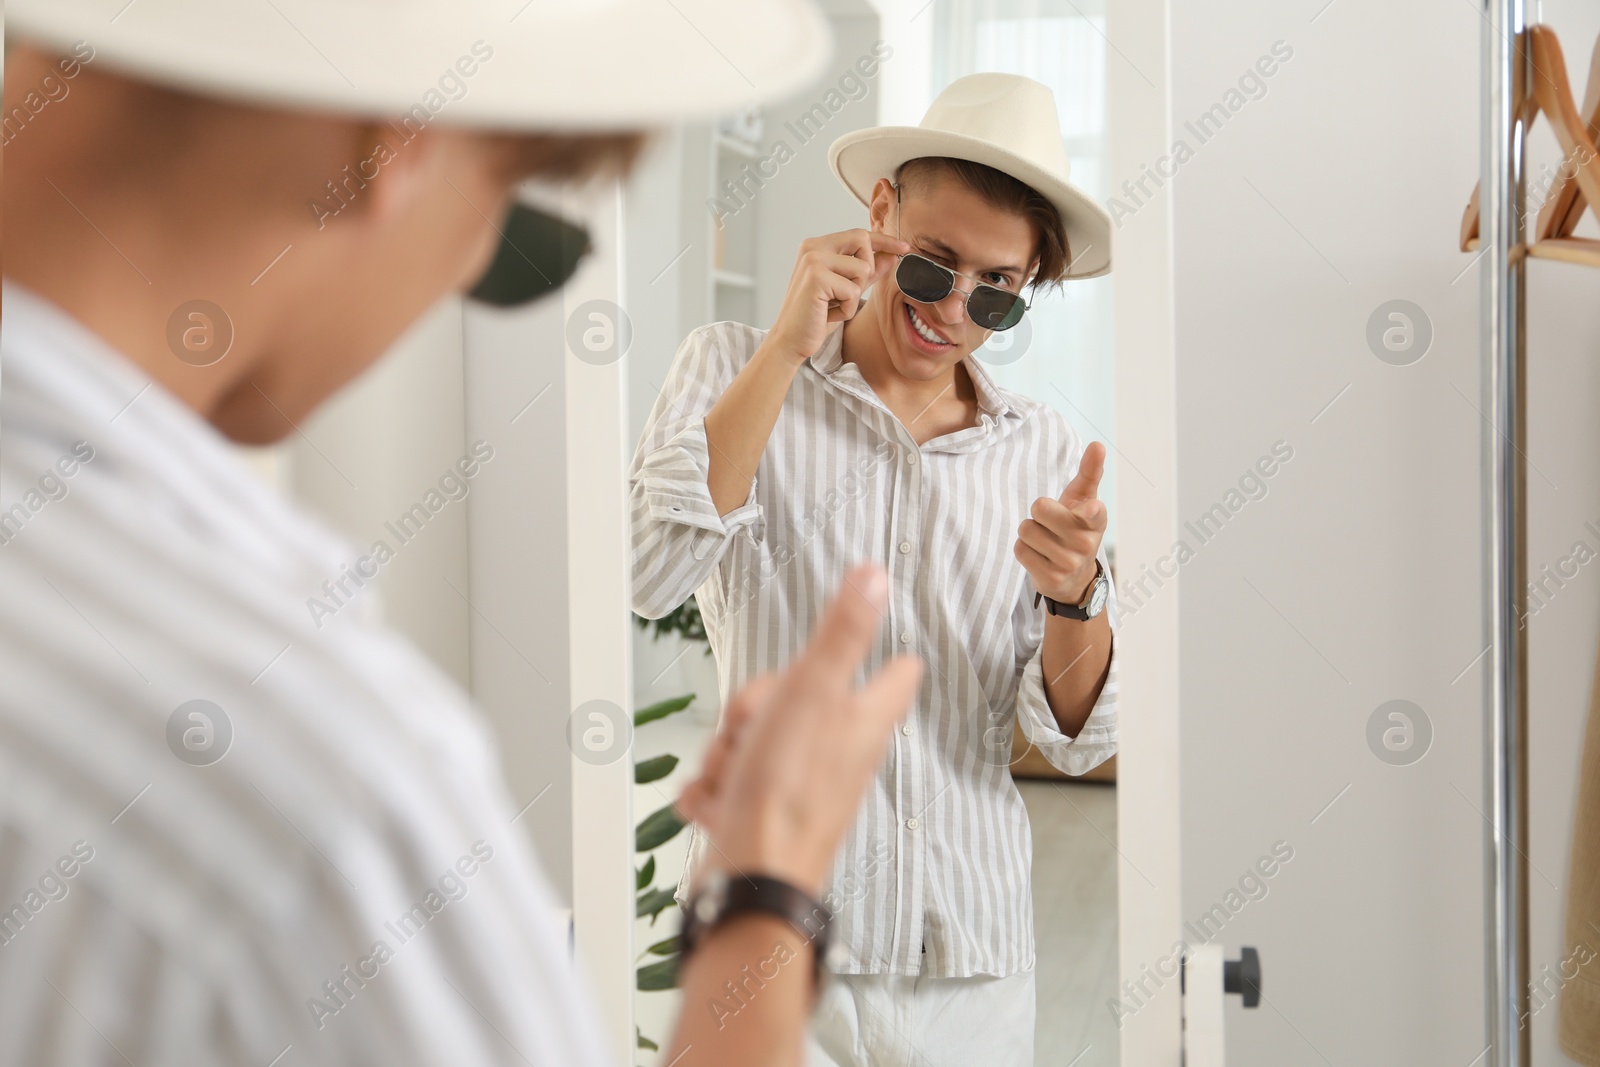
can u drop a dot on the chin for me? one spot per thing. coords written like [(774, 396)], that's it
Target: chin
[(913, 362), (246, 417), (256, 428)]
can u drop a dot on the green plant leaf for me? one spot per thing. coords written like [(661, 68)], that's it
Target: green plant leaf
[(644, 875), (683, 620), (645, 1042), (668, 947), (661, 709), (659, 975), (659, 827), (654, 769), (652, 902)]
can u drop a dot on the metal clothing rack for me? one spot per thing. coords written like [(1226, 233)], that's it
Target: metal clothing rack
[(1523, 74), (1502, 199)]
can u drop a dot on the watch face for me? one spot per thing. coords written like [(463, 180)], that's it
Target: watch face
[(1097, 599), (711, 899)]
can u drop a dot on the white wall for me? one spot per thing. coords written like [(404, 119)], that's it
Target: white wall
[(374, 451), (1358, 578), (519, 630), (805, 199)]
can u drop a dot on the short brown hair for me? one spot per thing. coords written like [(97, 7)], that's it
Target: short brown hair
[(1006, 193), (571, 157)]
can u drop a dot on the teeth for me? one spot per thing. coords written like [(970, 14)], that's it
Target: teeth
[(922, 330)]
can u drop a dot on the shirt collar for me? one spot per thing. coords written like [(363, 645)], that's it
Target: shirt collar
[(829, 361)]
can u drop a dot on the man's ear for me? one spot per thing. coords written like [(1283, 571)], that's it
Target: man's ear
[(881, 210), (407, 169)]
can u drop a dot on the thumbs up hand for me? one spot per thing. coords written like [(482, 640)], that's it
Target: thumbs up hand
[(1057, 546)]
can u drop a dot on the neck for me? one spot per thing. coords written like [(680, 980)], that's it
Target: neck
[(128, 294), (864, 345)]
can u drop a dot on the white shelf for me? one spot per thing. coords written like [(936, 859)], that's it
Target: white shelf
[(737, 145), (730, 266)]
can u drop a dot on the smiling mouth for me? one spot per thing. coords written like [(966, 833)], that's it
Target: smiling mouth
[(925, 333)]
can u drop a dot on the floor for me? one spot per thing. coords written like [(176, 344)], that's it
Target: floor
[(1074, 920)]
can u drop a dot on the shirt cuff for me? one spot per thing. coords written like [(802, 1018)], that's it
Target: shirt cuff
[(673, 478), (1094, 744)]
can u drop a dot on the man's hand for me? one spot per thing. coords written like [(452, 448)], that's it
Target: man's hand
[(1057, 546), (830, 274), (783, 779)]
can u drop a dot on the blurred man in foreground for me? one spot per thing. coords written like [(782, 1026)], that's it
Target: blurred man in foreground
[(347, 885)]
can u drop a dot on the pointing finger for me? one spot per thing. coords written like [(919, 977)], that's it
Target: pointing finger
[(849, 624), (882, 242), (1091, 466)]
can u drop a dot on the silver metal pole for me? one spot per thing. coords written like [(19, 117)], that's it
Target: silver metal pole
[(1501, 229)]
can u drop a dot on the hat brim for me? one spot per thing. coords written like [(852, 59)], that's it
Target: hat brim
[(582, 64), (861, 157)]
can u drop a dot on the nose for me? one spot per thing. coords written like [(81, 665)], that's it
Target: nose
[(953, 308)]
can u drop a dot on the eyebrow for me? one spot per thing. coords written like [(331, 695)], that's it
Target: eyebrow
[(949, 253)]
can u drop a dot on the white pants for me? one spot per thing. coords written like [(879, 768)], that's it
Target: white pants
[(892, 1020)]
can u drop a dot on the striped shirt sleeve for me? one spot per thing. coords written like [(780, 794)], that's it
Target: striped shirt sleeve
[(1096, 742), (678, 536)]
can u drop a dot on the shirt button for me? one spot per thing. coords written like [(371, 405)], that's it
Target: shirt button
[(912, 823), (905, 546), (911, 459), (905, 639), (908, 729)]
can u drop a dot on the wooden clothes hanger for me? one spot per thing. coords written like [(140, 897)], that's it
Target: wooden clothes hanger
[(1578, 184), (1564, 206)]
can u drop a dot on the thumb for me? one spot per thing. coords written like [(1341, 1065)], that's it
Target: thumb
[(1086, 484)]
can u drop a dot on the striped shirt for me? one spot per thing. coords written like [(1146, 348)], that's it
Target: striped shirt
[(344, 885), (933, 877)]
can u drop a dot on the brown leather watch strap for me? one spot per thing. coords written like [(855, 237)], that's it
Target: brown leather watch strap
[(724, 896)]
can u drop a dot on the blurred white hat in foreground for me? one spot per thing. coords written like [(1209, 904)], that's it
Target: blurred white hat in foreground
[(503, 64)]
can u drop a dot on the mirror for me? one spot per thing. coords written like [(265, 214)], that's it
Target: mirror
[(717, 215)]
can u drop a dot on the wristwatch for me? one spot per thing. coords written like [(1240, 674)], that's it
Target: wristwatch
[(1093, 602), (722, 896)]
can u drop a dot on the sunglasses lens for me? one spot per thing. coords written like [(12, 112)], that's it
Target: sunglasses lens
[(923, 281), (537, 253), (995, 309)]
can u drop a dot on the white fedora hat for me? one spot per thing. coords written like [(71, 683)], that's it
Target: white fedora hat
[(1004, 121), (569, 64)]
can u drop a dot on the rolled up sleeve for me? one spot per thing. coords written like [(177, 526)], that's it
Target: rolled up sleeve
[(1097, 741), (678, 537)]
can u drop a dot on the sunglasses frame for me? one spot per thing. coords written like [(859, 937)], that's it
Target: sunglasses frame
[(966, 304)]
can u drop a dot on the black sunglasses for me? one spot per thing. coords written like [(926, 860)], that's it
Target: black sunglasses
[(538, 254), (927, 282)]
